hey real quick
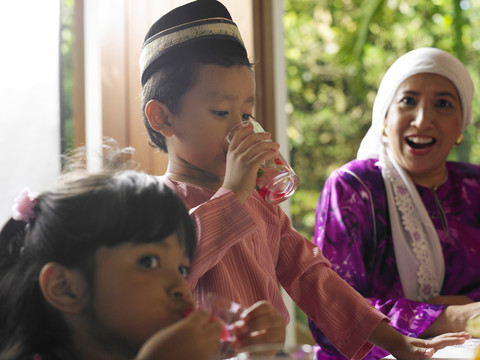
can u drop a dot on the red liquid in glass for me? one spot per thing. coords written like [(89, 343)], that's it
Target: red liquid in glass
[(273, 183), (225, 336), (273, 196), (276, 181)]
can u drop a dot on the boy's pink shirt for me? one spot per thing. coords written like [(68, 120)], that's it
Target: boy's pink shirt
[(244, 250)]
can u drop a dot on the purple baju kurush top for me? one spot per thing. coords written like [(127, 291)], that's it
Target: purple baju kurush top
[(353, 230)]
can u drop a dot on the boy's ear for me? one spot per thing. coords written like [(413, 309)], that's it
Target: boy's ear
[(64, 289), (159, 117)]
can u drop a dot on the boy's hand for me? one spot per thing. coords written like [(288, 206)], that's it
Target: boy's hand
[(247, 151), (195, 337), (423, 349), (405, 347), (430, 346), (261, 323)]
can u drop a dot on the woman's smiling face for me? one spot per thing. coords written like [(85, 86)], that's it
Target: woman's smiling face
[(423, 123)]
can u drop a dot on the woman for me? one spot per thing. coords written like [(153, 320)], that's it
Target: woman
[(401, 224)]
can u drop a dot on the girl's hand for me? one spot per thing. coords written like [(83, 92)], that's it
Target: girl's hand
[(262, 323), (196, 336), (247, 151), (405, 347)]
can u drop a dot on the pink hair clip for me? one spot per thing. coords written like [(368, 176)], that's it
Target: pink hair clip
[(23, 206)]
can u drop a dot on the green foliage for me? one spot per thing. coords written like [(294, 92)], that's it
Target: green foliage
[(336, 54), (66, 70)]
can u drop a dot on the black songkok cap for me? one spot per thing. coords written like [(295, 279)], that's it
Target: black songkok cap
[(199, 24)]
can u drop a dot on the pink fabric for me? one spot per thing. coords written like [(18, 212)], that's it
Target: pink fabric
[(245, 250)]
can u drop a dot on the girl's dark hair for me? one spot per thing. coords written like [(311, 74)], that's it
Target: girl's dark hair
[(82, 213), (173, 77)]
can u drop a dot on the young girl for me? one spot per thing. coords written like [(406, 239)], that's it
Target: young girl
[(197, 84), (95, 268)]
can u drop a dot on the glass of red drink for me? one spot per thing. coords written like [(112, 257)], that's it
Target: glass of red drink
[(276, 180), (227, 312)]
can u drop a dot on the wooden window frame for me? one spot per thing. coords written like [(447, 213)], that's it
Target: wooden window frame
[(121, 41)]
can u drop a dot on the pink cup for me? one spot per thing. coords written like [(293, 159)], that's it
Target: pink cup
[(276, 180)]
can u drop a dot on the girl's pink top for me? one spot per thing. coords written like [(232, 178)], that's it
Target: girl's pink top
[(245, 250)]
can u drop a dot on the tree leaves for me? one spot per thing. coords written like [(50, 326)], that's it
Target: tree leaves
[(337, 52)]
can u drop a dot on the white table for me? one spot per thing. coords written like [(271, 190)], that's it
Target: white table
[(456, 352)]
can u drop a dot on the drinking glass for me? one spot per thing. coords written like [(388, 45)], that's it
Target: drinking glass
[(228, 312), (276, 180)]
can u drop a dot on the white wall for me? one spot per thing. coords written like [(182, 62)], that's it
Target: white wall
[(29, 97), (281, 122)]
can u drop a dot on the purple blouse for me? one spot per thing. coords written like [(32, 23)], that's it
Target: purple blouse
[(353, 230)]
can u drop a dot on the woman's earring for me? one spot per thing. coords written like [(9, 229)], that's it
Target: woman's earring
[(459, 140), (384, 130)]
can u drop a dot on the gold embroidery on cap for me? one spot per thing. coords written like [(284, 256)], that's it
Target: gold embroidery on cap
[(154, 48)]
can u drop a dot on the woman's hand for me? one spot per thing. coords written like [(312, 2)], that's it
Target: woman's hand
[(261, 323), (405, 347), (450, 300), (453, 318), (195, 337), (247, 151)]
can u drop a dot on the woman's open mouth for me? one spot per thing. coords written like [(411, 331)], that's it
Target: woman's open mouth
[(420, 142)]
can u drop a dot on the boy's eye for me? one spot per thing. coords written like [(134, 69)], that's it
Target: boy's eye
[(247, 117), (149, 261), (184, 271), (219, 113)]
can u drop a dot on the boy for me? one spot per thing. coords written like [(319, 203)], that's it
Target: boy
[(197, 84)]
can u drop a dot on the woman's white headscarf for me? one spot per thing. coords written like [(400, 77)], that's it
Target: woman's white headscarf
[(418, 251)]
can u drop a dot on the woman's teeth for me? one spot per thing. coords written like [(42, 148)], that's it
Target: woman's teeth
[(419, 142)]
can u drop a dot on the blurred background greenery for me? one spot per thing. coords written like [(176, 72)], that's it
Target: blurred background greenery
[(66, 74), (336, 53)]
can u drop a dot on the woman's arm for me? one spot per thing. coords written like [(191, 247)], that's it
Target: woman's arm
[(453, 318), (345, 233), (353, 232)]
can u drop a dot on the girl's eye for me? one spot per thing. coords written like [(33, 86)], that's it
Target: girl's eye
[(184, 271), (247, 117), (149, 261)]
